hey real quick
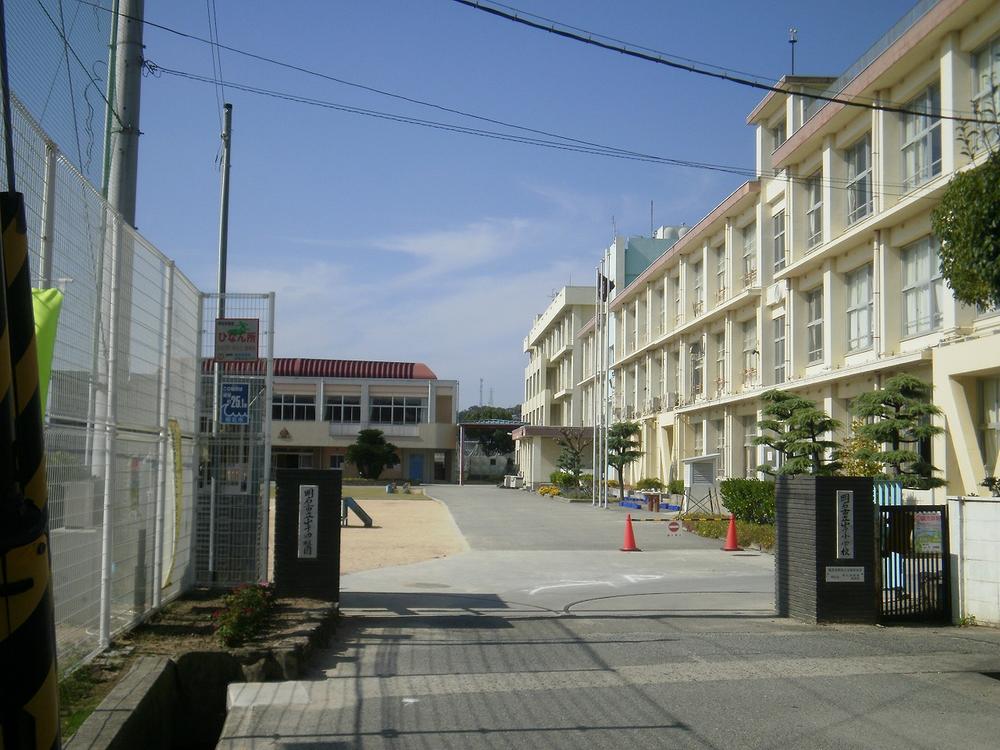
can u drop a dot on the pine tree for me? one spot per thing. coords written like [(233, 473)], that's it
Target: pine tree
[(623, 448), (797, 427), (901, 419)]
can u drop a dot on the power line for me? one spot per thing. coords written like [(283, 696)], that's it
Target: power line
[(213, 34), (577, 146), (636, 46), (631, 51)]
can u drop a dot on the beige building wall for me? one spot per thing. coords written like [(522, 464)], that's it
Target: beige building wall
[(821, 275)]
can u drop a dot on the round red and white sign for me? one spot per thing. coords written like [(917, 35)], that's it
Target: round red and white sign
[(673, 527)]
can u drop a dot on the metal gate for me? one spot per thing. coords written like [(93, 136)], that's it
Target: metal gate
[(914, 570)]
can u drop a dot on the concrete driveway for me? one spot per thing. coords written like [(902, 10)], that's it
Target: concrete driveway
[(544, 635)]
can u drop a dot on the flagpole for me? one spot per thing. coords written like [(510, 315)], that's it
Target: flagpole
[(593, 393)]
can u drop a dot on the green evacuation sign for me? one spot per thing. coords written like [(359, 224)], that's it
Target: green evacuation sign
[(237, 339)]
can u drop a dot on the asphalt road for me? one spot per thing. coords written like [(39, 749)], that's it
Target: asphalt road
[(544, 635)]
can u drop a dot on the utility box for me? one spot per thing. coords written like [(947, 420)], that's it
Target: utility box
[(825, 554), (307, 533)]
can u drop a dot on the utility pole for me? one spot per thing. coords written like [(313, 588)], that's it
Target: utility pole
[(125, 126), (227, 144)]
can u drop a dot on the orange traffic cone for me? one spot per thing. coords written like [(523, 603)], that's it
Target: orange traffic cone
[(629, 544), (731, 544)]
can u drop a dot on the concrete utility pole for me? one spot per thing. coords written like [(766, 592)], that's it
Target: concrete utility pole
[(125, 126), (227, 144)]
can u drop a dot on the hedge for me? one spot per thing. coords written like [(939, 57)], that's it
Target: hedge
[(749, 499)]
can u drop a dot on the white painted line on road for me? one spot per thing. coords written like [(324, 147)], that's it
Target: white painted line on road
[(568, 584)]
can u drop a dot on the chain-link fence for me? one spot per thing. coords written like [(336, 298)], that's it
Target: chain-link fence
[(58, 52), (235, 440), (121, 421)]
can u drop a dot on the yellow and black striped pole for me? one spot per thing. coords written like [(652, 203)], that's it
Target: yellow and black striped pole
[(29, 688), (29, 680)]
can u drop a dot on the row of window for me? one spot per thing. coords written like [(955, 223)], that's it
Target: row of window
[(294, 407), (922, 294)]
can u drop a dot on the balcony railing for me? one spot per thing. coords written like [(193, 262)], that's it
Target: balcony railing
[(750, 278)]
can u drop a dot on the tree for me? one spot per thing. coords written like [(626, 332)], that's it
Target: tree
[(967, 222), (797, 427), (496, 442), (484, 413), (898, 415), (623, 448), (855, 454), (573, 443), (371, 453)]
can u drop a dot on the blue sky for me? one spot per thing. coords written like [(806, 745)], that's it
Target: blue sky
[(389, 241)]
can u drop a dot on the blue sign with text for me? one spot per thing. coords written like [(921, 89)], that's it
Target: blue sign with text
[(234, 403)]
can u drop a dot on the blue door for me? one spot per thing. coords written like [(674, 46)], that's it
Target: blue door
[(416, 467)]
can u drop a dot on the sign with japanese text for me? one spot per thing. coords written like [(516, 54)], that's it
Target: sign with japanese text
[(237, 339), (927, 533), (308, 520), (845, 574), (845, 524), (234, 403)]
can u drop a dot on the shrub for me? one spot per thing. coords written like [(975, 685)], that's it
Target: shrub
[(747, 534), (548, 490), (749, 499), (562, 479), (243, 612), (587, 480), (649, 483), (675, 486), (613, 483)]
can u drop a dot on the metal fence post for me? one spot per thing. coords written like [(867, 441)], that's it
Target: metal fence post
[(269, 390), (48, 216), (164, 415), (110, 426)]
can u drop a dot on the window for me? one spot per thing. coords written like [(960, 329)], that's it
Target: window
[(697, 369), (675, 292), (814, 210), (750, 352), (397, 410), (290, 407), (661, 311), (699, 438), (720, 362), (922, 287), (342, 409), (749, 447), (989, 422), (859, 308), (778, 333), (719, 432), (986, 89), (720, 272), (922, 139), (778, 135), (697, 288), (814, 325), (859, 179), (337, 462), (750, 254), (778, 224)]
